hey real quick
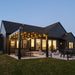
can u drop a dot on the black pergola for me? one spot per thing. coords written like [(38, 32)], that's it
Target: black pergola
[(19, 34)]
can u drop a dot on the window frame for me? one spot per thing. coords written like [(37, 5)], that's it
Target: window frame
[(12, 43), (71, 45), (31, 44), (36, 44), (43, 44)]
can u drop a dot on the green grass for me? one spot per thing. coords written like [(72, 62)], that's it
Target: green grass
[(44, 66)]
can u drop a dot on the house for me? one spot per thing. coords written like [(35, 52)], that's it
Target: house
[(33, 38)]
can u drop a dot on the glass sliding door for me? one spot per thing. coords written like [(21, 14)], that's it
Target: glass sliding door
[(38, 44), (24, 43), (17, 43), (32, 44), (49, 44), (43, 44), (54, 44)]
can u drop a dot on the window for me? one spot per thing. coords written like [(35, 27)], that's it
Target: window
[(70, 45), (43, 44), (54, 44), (38, 44), (32, 44), (49, 44), (12, 44), (24, 43), (17, 44)]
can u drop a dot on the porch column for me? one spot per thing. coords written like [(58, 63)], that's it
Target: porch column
[(34, 43), (9, 48), (46, 46), (19, 49), (41, 43)]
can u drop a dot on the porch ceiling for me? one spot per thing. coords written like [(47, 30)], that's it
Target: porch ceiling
[(27, 35)]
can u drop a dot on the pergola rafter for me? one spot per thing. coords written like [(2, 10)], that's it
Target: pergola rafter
[(19, 34)]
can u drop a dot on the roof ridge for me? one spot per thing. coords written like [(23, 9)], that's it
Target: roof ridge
[(52, 24), (22, 23)]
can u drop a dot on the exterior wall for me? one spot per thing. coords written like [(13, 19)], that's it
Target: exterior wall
[(70, 38), (12, 50), (1, 43), (3, 32), (57, 32), (7, 43)]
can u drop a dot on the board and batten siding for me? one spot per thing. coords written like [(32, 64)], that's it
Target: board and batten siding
[(57, 31)]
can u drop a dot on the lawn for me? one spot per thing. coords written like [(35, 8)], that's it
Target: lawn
[(43, 66)]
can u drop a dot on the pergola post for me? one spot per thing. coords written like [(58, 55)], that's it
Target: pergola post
[(46, 46), (9, 48), (19, 49)]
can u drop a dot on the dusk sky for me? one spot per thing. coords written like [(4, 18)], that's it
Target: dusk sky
[(39, 12)]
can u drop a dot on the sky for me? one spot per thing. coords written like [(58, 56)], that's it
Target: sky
[(39, 12)]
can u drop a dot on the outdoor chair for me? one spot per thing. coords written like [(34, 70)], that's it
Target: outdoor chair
[(16, 52), (40, 52), (22, 52), (50, 53), (57, 52)]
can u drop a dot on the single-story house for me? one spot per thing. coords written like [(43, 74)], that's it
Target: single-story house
[(17, 36)]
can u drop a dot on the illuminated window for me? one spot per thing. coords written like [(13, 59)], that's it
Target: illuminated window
[(24, 43), (12, 44), (38, 44), (17, 44), (32, 43), (54, 44), (43, 44), (49, 44), (70, 45)]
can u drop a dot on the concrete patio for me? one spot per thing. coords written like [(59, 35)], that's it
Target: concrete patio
[(43, 56), (29, 57)]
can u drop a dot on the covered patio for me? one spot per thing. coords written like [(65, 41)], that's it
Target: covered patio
[(44, 56), (28, 44)]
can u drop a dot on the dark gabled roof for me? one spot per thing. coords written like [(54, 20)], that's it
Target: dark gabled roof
[(67, 34), (50, 27), (10, 27)]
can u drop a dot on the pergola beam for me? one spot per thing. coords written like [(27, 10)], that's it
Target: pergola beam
[(14, 32)]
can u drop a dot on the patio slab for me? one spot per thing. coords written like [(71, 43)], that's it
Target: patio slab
[(29, 57), (43, 56)]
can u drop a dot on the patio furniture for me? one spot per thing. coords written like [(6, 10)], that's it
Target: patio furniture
[(41, 52), (57, 52), (29, 53), (50, 53), (16, 52), (62, 53), (23, 52)]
